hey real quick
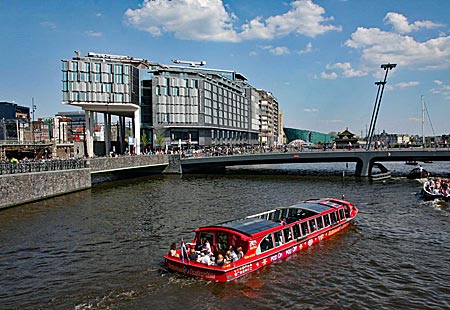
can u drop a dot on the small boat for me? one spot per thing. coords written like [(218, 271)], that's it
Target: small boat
[(411, 162), (264, 238), (418, 173), (429, 194)]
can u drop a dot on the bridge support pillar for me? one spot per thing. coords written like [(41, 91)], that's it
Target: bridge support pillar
[(363, 168)]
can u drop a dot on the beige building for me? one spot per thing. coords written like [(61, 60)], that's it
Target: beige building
[(268, 119)]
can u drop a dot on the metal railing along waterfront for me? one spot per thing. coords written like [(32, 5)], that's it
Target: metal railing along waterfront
[(27, 166)]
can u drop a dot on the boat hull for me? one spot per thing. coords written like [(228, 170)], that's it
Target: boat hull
[(248, 265)]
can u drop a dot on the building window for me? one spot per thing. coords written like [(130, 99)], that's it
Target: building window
[(74, 66), (98, 67)]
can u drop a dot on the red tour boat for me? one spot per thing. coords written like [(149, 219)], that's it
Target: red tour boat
[(261, 239)]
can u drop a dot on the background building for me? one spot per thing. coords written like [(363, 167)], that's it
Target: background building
[(268, 124), (308, 136)]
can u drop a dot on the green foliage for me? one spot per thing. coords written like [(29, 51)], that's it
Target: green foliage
[(159, 139), (144, 140)]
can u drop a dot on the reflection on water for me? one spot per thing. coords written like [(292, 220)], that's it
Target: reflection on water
[(102, 248)]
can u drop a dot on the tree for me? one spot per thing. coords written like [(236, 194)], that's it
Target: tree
[(159, 139), (144, 141)]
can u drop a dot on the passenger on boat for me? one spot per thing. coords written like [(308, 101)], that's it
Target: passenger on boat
[(240, 253), (193, 255), (205, 259), (206, 248), (228, 257), (173, 250), (220, 260), (283, 221), (198, 245), (233, 254)]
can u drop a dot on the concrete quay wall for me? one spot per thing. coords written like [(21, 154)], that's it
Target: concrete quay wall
[(109, 164), (26, 187)]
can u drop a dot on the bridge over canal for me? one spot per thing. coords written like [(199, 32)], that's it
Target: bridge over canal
[(365, 160)]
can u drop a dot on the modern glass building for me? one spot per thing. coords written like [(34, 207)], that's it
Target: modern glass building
[(174, 106)]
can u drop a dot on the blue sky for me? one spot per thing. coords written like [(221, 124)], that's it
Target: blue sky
[(319, 58)]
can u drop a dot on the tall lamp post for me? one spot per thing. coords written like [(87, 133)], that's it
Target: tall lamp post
[(33, 110), (376, 107)]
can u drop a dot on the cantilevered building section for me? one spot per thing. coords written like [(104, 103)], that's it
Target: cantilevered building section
[(107, 84), (174, 106)]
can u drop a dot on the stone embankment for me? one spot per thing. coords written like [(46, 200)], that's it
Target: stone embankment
[(22, 187)]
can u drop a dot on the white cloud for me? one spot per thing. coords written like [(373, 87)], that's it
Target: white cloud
[(252, 53), (187, 19), (329, 76), (210, 20), (379, 47), (93, 33), (441, 89), (407, 84), (312, 110), (401, 25), (347, 70), (304, 17), (277, 50), (307, 49)]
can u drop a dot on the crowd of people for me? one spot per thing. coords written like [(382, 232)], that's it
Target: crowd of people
[(437, 186), (202, 253)]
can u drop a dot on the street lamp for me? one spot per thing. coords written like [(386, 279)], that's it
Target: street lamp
[(33, 110), (376, 107)]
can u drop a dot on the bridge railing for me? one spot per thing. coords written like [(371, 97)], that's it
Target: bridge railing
[(40, 165)]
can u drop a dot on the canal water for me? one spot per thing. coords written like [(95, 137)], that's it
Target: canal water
[(102, 248)]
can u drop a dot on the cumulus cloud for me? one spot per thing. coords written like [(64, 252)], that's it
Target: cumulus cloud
[(401, 25), (307, 49), (346, 69), (210, 20), (441, 89), (186, 19), (329, 76), (379, 46), (304, 17), (277, 50), (407, 84)]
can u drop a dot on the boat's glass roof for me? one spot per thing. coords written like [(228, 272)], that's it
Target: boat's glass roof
[(315, 207), (249, 225)]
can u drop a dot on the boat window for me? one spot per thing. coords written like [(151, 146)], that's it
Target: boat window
[(222, 241), (276, 217), (271, 216), (319, 222), (337, 215), (209, 236), (305, 229), (266, 244), (341, 213), (326, 219), (287, 234), (278, 238), (292, 212), (312, 225), (333, 218), (284, 213), (296, 229)]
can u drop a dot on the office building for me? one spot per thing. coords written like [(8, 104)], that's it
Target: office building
[(174, 106)]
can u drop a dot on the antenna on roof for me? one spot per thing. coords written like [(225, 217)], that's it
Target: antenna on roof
[(189, 62)]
